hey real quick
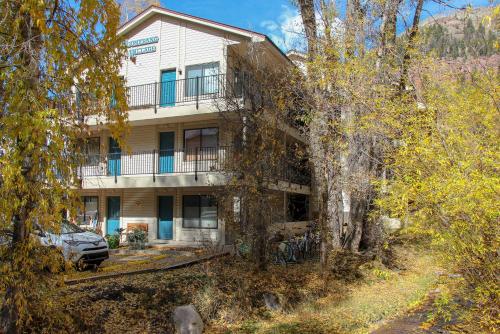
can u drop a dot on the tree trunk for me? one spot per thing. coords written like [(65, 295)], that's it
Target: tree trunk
[(386, 50), (309, 19), (13, 302), (261, 236), (410, 47), (354, 28), (323, 136)]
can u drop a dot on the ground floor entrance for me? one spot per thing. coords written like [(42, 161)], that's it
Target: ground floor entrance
[(177, 216), (113, 216), (184, 216), (165, 217)]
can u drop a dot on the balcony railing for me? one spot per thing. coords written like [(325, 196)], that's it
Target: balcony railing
[(192, 160), (170, 162), (181, 91)]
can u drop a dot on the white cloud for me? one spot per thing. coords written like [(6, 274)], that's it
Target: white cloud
[(269, 25), (288, 31)]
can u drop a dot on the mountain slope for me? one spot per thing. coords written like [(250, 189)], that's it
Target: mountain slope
[(461, 34)]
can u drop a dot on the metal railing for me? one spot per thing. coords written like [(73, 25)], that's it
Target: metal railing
[(296, 174), (167, 162), (188, 160), (181, 91)]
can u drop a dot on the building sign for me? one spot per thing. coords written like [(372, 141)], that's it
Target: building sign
[(140, 51), (140, 42), (143, 41)]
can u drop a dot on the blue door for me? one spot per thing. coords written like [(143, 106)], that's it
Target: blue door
[(167, 88), (113, 221), (165, 217), (114, 157), (166, 159)]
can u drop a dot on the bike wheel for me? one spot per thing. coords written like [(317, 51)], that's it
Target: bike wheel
[(289, 257)]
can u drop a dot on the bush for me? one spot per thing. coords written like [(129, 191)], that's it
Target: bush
[(345, 265), (445, 182), (113, 241), (137, 239), (243, 249)]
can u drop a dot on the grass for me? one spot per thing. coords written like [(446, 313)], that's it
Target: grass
[(228, 293), (382, 295)]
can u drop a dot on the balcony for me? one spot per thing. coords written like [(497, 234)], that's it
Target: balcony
[(172, 162), (182, 91), (203, 159)]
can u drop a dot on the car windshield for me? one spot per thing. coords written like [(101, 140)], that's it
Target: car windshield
[(67, 228)]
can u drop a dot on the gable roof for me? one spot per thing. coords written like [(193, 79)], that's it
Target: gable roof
[(153, 10)]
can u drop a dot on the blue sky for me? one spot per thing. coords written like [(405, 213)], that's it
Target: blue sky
[(276, 18)]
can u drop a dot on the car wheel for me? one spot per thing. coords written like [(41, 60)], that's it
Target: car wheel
[(80, 265)]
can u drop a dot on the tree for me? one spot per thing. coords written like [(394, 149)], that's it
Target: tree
[(344, 157), (445, 169), (323, 122), (345, 85), (255, 109), (130, 8), (59, 65), (410, 47), (416, 141)]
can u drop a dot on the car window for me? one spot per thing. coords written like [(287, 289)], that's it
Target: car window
[(67, 228)]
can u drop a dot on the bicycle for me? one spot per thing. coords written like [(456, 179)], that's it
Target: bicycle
[(285, 251), (309, 243), (298, 248)]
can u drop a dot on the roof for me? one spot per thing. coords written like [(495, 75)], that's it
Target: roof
[(153, 10)]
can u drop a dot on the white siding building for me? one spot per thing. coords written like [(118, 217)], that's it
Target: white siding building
[(163, 181)]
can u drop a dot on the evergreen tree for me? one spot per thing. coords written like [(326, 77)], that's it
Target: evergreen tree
[(476, 41)]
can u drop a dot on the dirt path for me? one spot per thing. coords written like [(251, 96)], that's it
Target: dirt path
[(410, 323)]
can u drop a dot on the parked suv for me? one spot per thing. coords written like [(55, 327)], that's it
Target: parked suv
[(77, 245)]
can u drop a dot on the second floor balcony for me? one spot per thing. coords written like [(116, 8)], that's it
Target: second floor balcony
[(173, 162), (156, 162), (170, 93)]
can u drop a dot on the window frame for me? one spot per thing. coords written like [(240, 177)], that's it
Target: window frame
[(199, 212), (293, 199), (84, 212), (200, 147), (203, 66), (97, 157)]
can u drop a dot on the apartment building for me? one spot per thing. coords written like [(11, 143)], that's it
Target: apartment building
[(164, 181)]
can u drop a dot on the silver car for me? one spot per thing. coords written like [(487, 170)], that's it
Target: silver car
[(77, 245)]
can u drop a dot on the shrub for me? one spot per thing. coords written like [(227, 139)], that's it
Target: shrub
[(113, 241), (345, 265), (445, 182), (137, 239)]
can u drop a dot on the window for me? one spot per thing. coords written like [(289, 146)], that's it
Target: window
[(90, 213), (91, 151), (298, 207), (240, 81), (199, 211), (203, 142), (208, 82)]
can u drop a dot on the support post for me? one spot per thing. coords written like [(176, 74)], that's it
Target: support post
[(285, 209), (196, 164), (156, 97), (116, 164), (154, 165), (197, 92)]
